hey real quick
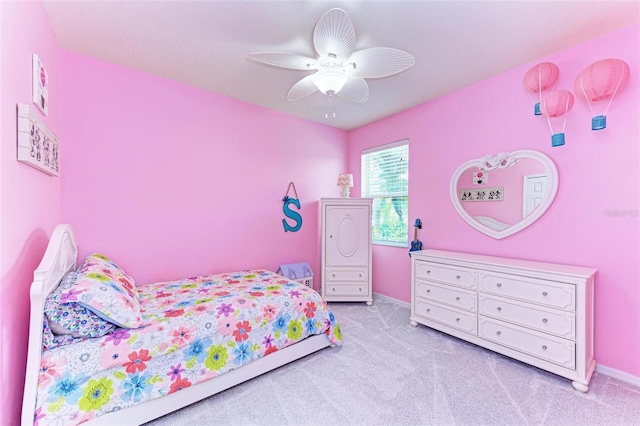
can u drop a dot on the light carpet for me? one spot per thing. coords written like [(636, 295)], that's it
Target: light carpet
[(389, 373)]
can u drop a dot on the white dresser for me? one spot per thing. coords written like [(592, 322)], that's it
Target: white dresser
[(346, 249), (538, 313)]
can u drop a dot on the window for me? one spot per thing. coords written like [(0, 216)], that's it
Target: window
[(385, 178)]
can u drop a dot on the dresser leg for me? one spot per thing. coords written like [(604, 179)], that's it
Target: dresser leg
[(369, 303), (579, 386), (413, 323)]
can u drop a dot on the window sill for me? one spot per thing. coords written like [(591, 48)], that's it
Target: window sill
[(389, 243)]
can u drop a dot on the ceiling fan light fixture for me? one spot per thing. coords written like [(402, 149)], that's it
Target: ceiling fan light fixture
[(330, 80), (340, 68)]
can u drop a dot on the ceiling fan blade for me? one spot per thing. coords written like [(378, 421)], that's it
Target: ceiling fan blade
[(355, 90), (302, 88), (334, 34), (379, 62), (285, 60)]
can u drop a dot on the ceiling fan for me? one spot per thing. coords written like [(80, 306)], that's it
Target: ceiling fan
[(340, 70)]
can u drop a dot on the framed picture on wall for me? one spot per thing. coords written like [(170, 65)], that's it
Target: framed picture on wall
[(480, 178), (40, 85), (38, 146)]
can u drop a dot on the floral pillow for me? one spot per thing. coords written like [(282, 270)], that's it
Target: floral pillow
[(104, 288), (109, 267), (50, 341), (66, 317)]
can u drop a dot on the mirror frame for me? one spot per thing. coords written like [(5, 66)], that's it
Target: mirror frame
[(502, 161)]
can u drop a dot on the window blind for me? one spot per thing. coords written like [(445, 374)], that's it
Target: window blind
[(385, 178), (385, 170)]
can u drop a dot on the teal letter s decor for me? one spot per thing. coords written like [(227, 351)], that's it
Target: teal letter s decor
[(291, 214)]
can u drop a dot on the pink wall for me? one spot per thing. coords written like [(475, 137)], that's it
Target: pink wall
[(29, 199), (595, 218), (172, 181)]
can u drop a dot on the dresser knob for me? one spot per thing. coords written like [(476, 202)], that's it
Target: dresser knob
[(544, 320), (428, 271), (498, 308), (333, 275), (544, 347), (428, 310), (428, 290), (457, 277), (499, 284), (544, 293), (330, 236), (498, 333), (457, 319), (457, 299)]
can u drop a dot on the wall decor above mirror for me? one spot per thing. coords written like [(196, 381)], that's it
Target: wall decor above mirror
[(527, 182)]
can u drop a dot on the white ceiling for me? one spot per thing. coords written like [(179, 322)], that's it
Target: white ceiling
[(206, 43)]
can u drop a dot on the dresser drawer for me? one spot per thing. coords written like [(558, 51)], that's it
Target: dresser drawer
[(549, 348), (347, 275), (546, 293), (449, 295), (454, 318), (342, 289), (557, 322), (450, 275)]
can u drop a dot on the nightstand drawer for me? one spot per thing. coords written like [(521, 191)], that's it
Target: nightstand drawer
[(454, 318), (347, 275), (543, 292), (342, 289), (449, 295), (549, 348), (449, 275)]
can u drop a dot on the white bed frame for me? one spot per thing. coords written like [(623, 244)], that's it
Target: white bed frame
[(60, 258)]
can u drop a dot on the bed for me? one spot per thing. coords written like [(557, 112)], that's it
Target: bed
[(190, 339)]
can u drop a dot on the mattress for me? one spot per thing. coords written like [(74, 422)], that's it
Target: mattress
[(193, 330)]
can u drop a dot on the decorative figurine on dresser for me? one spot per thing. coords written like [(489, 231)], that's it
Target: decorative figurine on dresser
[(346, 249), (538, 313)]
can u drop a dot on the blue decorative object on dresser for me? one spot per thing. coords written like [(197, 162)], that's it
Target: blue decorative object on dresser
[(416, 245)]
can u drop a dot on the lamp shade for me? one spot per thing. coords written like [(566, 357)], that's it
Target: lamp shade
[(330, 80), (345, 180), (541, 77), (557, 103), (600, 80)]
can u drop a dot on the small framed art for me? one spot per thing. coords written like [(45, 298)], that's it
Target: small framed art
[(37, 144), (40, 85)]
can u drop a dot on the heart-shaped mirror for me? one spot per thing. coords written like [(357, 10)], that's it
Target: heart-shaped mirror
[(503, 194)]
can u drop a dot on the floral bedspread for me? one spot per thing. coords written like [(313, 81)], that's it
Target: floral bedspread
[(193, 330)]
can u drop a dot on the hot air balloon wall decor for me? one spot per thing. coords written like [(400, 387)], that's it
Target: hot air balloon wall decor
[(539, 78), (601, 81), (557, 103)]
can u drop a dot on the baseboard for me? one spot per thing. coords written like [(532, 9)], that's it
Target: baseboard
[(608, 371), (617, 374), (392, 300)]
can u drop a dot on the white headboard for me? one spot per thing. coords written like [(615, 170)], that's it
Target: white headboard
[(59, 258)]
